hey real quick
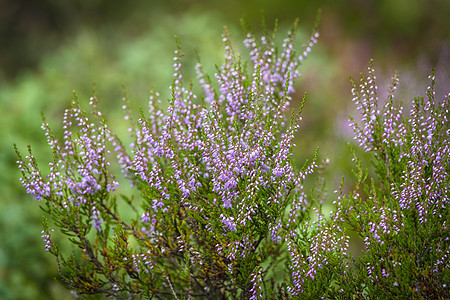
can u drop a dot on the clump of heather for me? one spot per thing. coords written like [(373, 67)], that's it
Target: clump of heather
[(222, 206), (222, 210), (401, 215)]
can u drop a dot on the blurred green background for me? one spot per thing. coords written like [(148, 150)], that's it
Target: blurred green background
[(49, 48)]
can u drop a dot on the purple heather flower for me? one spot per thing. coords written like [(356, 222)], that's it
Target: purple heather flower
[(46, 236), (256, 290), (96, 220), (228, 222), (142, 261)]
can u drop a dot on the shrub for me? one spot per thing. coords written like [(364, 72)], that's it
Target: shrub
[(402, 214), (222, 210)]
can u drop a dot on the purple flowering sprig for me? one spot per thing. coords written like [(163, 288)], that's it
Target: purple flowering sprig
[(77, 194), (47, 238)]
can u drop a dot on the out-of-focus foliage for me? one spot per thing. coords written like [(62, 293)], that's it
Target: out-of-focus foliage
[(48, 48), (30, 29)]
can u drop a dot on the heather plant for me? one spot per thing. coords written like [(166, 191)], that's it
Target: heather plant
[(401, 215), (222, 210)]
